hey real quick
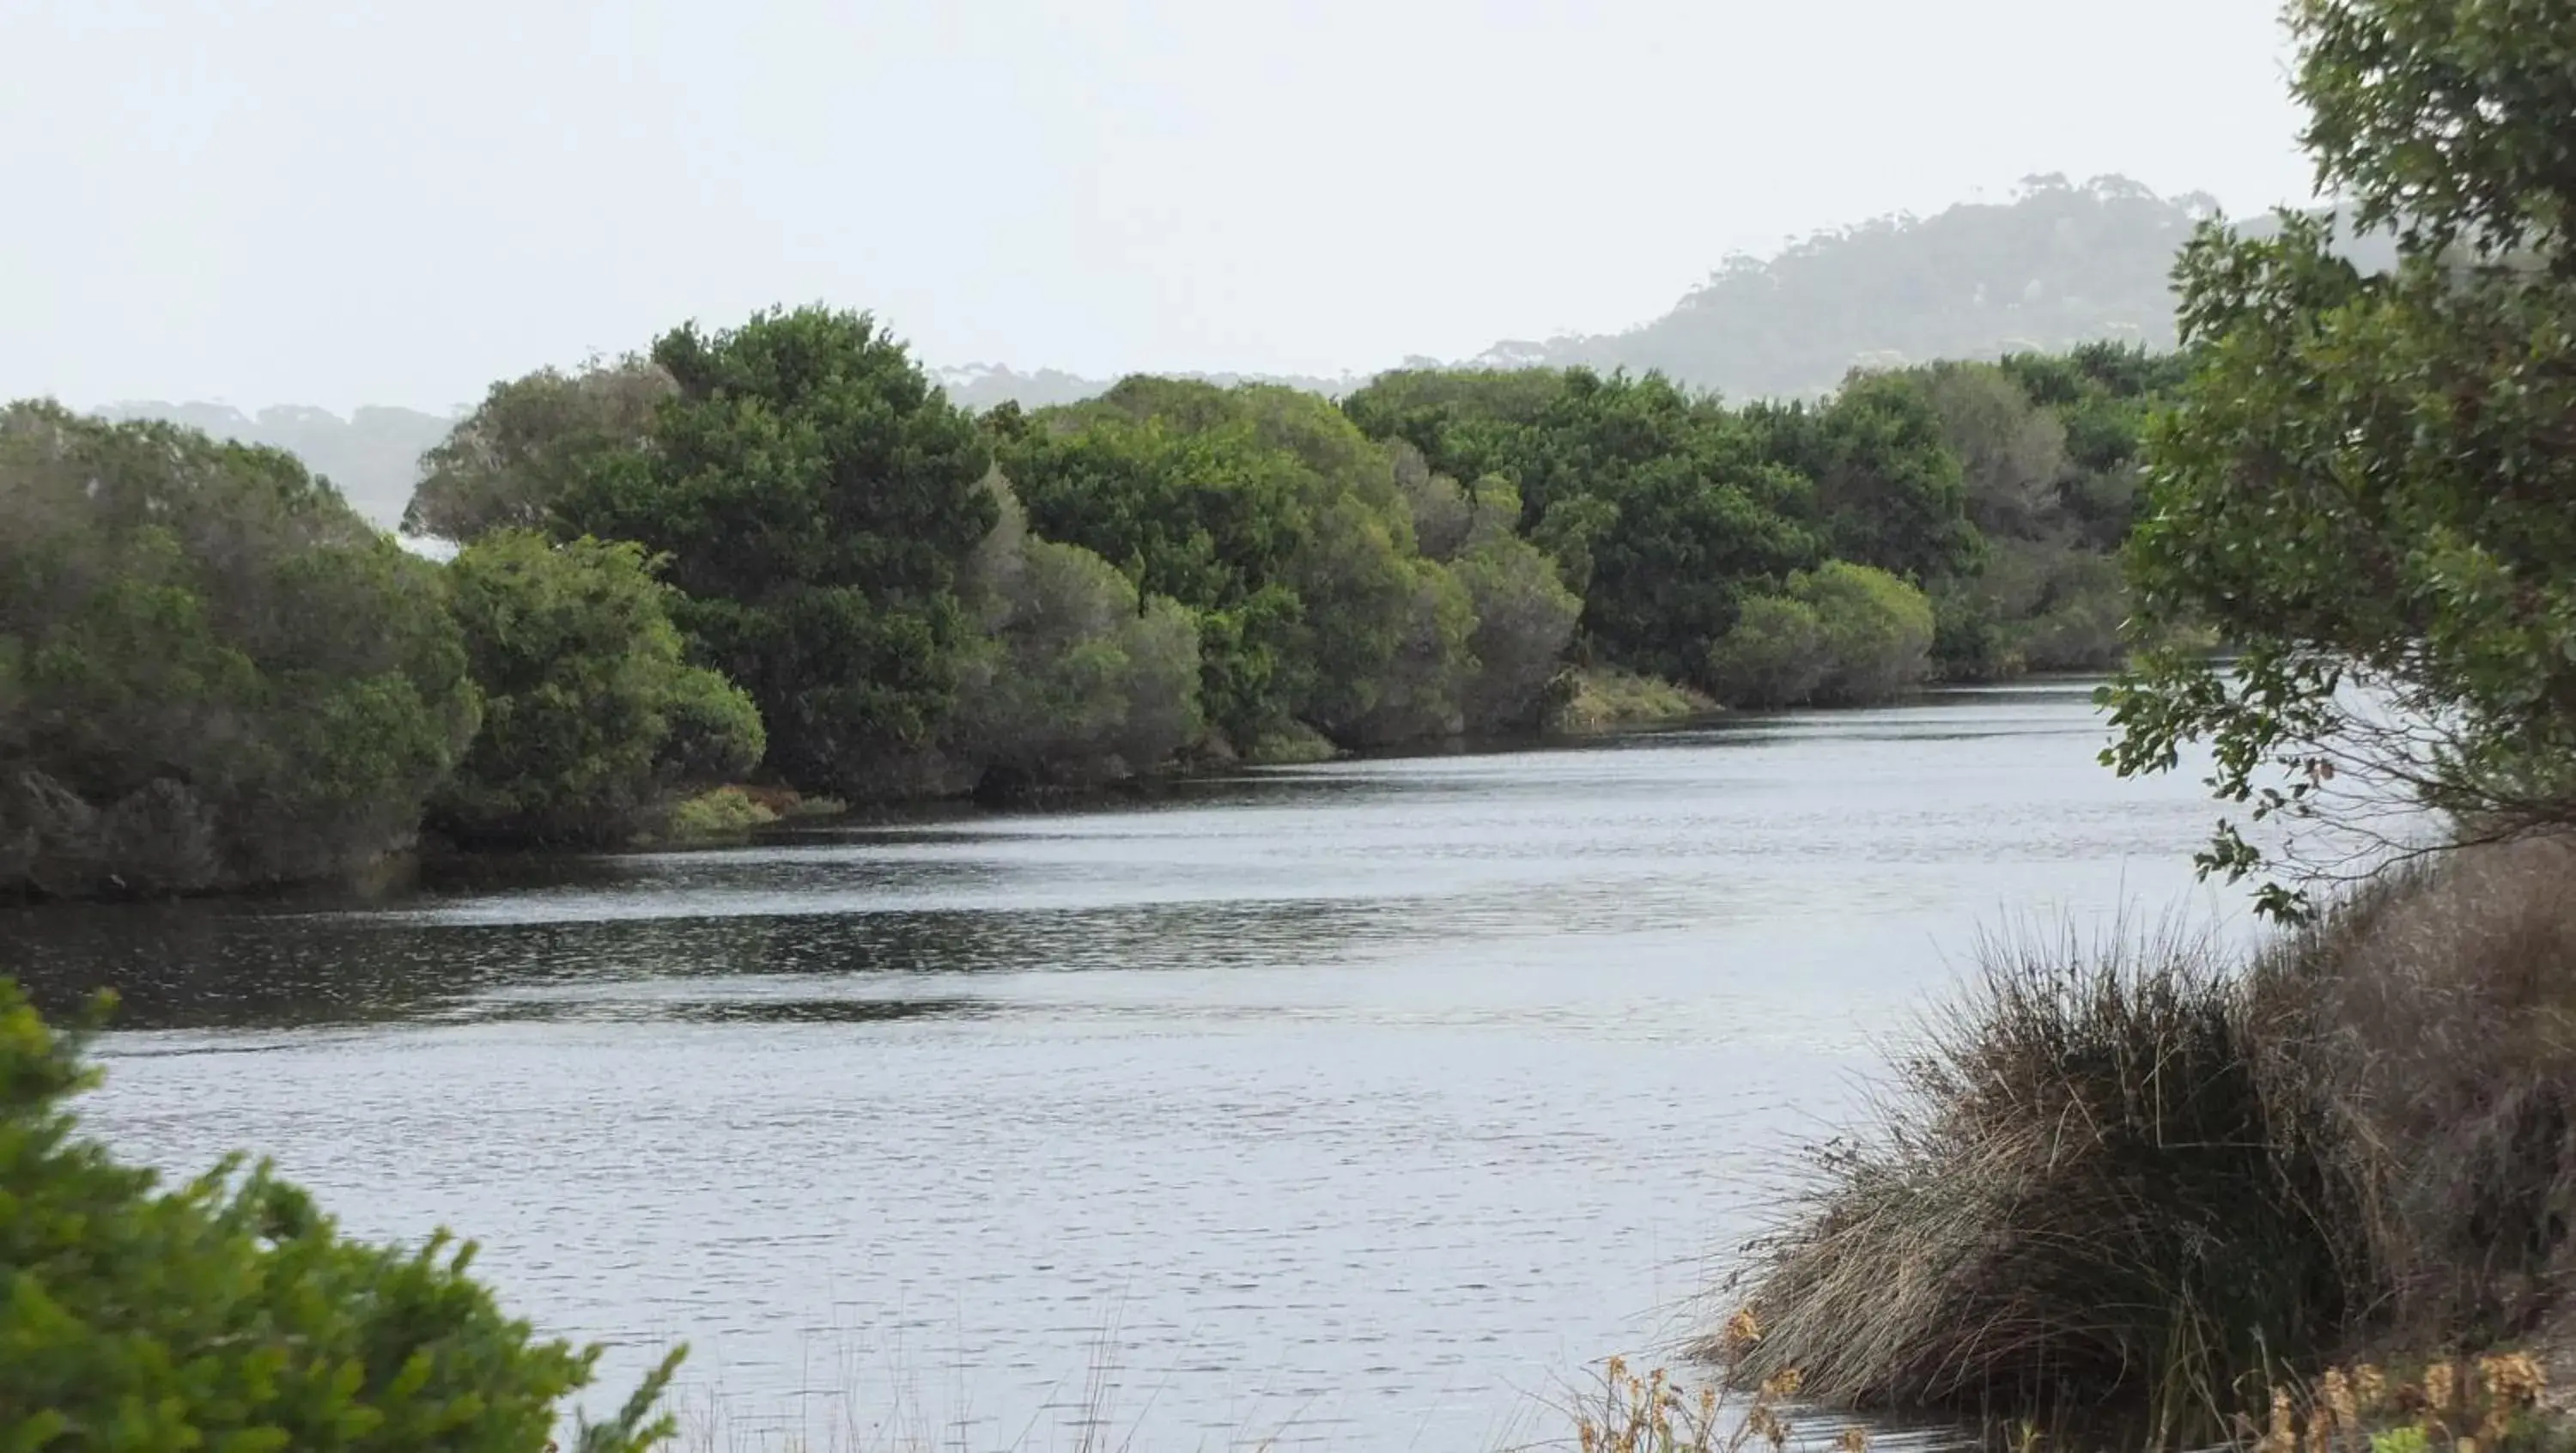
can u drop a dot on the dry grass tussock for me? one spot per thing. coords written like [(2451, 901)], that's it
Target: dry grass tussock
[(2129, 1180)]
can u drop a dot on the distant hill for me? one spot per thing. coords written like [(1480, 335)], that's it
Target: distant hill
[(2059, 264), (373, 455)]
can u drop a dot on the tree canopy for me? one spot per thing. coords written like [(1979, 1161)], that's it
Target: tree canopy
[(590, 714), (213, 674), (815, 496), (2369, 483), (505, 464)]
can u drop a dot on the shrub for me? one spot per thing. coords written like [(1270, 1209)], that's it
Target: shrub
[(589, 713), (712, 731), (1422, 692), (2123, 1182), (2082, 1199), (1775, 655), (725, 812), (1842, 635), (230, 1313), (1877, 632), (1524, 619), (1075, 680)]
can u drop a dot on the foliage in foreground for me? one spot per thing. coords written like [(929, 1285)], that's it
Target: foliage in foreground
[(2369, 484), (2124, 1182), (230, 1313)]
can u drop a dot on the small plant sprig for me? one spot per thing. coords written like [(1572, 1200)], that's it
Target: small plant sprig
[(2478, 1406), (1651, 1412)]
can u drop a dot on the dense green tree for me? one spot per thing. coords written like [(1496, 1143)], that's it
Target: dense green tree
[(2011, 451), (2369, 484), (212, 673), (2048, 451), (815, 496), (230, 1313), (1464, 422), (504, 465), (590, 714), (1888, 488), (1077, 679), (1664, 507), (1524, 615), (2102, 395), (1264, 511)]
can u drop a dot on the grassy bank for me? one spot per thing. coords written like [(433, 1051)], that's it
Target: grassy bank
[(2130, 1182)]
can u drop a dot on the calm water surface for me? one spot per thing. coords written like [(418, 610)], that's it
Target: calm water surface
[(1356, 1106)]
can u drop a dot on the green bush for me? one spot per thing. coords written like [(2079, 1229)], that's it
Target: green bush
[(1524, 620), (229, 1313), (725, 812), (1775, 655), (1075, 679), (589, 712), (1877, 632), (1842, 635)]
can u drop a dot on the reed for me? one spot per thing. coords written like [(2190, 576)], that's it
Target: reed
[(2128, 1181)]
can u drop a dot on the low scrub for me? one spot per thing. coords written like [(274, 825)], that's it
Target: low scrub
[(1603, 698), (2131, 1182), (230, 1313), (725, 812)]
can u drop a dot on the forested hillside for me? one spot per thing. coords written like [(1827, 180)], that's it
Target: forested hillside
[(2059, 264)]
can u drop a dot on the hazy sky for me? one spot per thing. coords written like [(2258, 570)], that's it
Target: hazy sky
[(347, 201)]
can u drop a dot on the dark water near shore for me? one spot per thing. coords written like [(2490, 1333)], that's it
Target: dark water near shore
[(1355, 1105)]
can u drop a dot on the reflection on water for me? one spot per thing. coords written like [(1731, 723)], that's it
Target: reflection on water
[(1352, 1104)]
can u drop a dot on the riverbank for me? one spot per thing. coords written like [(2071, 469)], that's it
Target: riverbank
[(2132, 1181), (1584, 704)]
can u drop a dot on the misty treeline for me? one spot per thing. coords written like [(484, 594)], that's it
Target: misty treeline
[(780, 553), (2055, 264)]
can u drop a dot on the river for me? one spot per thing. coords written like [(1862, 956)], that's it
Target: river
[(1358, 1105)]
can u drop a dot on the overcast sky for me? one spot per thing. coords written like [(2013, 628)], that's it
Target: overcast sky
[(382, 201)]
